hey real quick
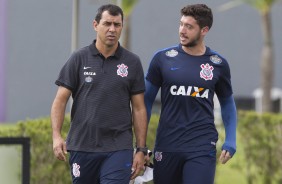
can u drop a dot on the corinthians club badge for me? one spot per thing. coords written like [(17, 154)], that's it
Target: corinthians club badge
[(158, 156), (122, 70), (206, 72)]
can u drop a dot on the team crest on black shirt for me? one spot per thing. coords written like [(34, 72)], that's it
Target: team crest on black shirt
[(122, 70), (206, 72)]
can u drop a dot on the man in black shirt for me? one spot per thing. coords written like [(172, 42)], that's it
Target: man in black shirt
[(106, 82)]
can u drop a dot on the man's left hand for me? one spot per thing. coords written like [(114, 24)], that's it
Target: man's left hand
[(224, 156)]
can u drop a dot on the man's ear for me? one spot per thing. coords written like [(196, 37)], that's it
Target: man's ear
[(205, 30), (95, 24)]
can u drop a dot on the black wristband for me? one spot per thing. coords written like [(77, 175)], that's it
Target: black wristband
[(143, 150)]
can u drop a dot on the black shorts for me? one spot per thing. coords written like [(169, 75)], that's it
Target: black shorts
[(184, 167), (101, 168)]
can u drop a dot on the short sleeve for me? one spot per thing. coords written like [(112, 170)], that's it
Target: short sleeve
[(154, 72), (138, 85), (223, 87), (68, 74)]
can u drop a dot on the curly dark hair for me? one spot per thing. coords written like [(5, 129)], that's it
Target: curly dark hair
[(200, 12)]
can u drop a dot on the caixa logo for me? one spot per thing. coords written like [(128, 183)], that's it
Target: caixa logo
[(189, 91), (89, 73)]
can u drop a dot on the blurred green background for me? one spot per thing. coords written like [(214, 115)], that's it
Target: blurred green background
[(10, 164)]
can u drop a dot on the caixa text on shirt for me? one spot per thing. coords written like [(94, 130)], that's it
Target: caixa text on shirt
[(89, 73), (189, 91)]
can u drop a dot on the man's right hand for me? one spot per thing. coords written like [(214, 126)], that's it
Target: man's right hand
[(59, 148)]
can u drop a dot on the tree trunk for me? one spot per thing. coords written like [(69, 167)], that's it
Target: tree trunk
[(267, 63), (126, 33)]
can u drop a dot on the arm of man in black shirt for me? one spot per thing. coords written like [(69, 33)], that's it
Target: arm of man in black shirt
[(57, 119), (140, 130)]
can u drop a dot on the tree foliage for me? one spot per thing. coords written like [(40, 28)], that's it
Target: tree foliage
[(45, 168), (261, 5), (127, 6), (262, 139)]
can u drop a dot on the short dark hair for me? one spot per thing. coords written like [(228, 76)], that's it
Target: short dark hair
[(113, 10), (200, 12)]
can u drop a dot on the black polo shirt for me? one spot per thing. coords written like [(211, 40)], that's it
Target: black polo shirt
[(101, 119)]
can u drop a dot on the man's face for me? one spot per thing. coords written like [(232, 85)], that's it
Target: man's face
[(190, 32), (108, 29)]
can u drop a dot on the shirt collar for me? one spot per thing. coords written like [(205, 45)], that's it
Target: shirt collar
[(207, 52), (95, 51)]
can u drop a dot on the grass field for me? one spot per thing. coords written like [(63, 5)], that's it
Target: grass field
[(227, 174)]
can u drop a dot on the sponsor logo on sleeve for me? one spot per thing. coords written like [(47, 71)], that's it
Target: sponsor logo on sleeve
[(215, 59), (171, 53)]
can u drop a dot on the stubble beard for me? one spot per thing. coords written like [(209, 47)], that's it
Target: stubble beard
[(193, 42)]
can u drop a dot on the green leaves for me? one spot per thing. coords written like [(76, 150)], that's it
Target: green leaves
[(261, 135), (45, 168), (127, 6), (261, 5)]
